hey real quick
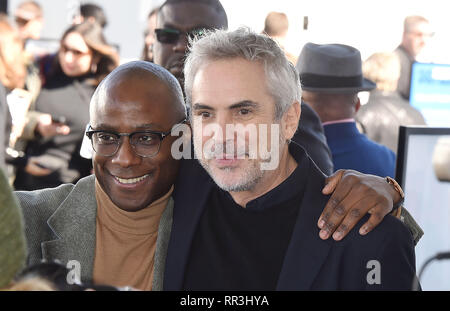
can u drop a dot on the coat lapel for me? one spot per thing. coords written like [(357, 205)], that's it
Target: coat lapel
[(306, 252), (164, 231), (190, 201), (74, 224)]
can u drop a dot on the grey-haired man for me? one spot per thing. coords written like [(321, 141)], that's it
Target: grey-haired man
[(253, 228)]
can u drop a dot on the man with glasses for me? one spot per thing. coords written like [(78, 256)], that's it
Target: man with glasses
[(114, 228)]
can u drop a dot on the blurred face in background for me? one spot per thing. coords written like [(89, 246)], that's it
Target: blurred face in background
[(75, 56), (175, 22), (415, 39), (12, 66), (29, 21), (150, 35)]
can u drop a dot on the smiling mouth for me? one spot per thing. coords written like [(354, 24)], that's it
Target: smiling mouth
[(131, 180)]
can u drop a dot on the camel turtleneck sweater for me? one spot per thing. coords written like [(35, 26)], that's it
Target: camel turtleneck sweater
[(126, 242)]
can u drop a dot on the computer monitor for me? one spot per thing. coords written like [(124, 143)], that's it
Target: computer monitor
[(423, 171), (430, 92)]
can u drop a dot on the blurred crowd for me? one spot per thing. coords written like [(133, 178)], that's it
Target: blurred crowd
[(44, 99)]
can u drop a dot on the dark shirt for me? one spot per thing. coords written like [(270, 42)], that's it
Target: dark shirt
[(236, 247)]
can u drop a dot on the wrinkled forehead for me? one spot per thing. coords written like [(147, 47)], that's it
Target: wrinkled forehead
[(190, 15)]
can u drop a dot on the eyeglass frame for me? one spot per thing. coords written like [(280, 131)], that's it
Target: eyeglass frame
[(179, 33), (161, 135)]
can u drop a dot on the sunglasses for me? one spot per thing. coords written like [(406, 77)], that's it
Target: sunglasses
[(171, 36)]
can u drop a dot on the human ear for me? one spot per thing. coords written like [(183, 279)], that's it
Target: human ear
[(290, 120)]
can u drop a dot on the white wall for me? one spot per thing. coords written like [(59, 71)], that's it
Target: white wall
[(370, 26)]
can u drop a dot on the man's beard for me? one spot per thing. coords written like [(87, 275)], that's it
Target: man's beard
[(249, 176)]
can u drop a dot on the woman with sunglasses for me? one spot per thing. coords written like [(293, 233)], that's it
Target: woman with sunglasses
[(69, 80)]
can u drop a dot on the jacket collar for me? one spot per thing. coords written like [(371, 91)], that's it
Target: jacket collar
[(306, 251), (74, 224), (338, 131), (190, 201)]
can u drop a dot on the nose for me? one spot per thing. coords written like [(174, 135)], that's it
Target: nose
[(181, 45), (222, 132), (125, 156), (68, 57)]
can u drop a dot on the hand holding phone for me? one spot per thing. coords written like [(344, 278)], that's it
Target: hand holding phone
[(49, 126)]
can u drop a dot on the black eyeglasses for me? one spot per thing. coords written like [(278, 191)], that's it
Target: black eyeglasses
[(145, 143), (171, 36)]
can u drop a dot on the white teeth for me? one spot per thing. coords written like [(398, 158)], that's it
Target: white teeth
[(130, 180)]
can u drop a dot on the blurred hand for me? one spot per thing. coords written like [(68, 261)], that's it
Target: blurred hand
[(354, 195), (34, 169), (47, 128)]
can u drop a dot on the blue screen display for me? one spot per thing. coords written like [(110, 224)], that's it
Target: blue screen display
[(430, 92)]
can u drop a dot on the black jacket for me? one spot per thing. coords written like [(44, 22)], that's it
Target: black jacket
[(310, 263), (310, 135)]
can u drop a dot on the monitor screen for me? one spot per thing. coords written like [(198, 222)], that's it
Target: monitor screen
[(430, 92), (423, 171)]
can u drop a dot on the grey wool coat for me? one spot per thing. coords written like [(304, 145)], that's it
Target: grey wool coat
[(61, 225)]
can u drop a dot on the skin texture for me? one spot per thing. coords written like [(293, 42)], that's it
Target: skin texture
[(231, 92), (136, 100), (186, 16), (183, 16), (72, 64)]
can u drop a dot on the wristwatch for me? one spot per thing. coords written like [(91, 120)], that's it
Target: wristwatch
[(397, 188)]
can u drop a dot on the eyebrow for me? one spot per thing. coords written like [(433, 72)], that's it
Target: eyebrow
[(244, 104), (238, 105), (107, 127)]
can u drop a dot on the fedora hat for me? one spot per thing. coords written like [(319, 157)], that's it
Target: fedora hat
[(332, 68)]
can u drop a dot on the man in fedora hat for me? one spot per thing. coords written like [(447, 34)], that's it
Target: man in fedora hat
[(331, 77)]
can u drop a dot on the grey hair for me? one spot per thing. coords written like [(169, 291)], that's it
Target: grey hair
[(282, 78), (135, 66)]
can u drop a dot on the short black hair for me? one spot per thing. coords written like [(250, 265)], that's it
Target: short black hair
[(212, 3), (92, 10)]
